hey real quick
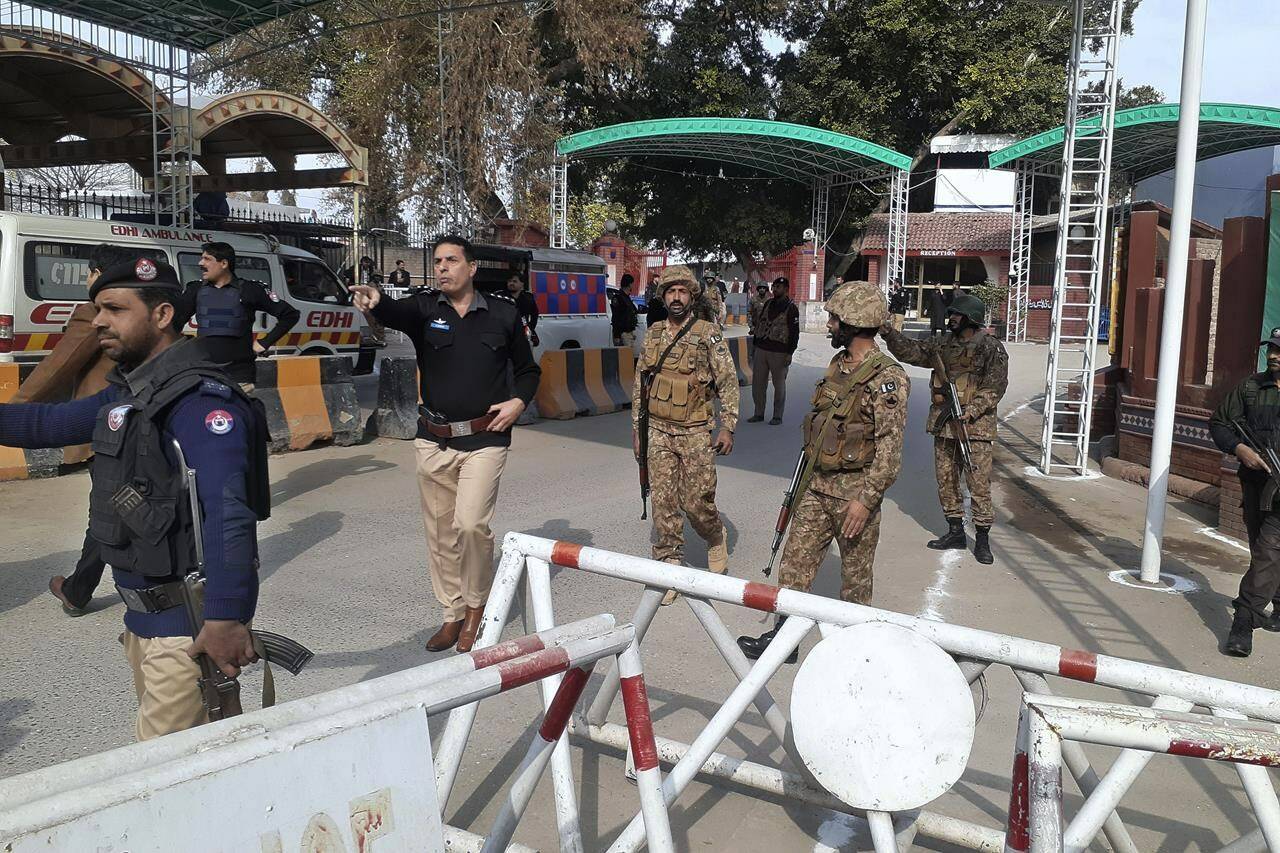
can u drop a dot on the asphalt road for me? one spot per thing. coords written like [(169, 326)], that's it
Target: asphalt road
[(344, 571)]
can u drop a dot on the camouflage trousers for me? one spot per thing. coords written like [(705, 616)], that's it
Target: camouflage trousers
[(682, 477), (950, 469), (817, 521)]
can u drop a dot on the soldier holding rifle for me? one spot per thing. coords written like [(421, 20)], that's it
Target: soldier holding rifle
[(852, 454), (970, 375), (1247, 426), (167, 414)]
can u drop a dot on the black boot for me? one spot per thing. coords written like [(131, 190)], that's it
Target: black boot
[(982, 547), (753, 647), (953, 539), (1240, 639)]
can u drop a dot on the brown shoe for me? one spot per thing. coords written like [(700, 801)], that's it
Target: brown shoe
[(445, 637), (470, 628), (55, 587)]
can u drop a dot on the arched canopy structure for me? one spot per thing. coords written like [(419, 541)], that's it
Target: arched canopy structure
[(1145, 138), (774, 148), (279, 127), (819, 158)]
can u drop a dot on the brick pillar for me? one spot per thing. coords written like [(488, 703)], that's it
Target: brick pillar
[(1195, 322), (873, 269), (1240, 300), (1146, 354), (1141, 274)]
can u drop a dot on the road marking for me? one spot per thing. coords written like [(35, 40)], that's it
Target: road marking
[(1173, 584), (1225, 540), (1022, 408), (1033, 471), (934, 595)]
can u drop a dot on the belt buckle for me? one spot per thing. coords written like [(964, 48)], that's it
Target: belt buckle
[(460, 429)]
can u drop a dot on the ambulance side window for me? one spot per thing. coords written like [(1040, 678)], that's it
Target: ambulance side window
[(312, 281), (59, 272), (247, 266)]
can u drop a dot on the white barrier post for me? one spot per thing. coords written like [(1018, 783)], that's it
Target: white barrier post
[(644, 752), (650, 601), (1260, 791), (536, 758), (788, 637), (568, 822), (458, 728), (1044, 784)]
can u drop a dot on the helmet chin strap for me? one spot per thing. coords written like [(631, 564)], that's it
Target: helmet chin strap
[(842, 337)]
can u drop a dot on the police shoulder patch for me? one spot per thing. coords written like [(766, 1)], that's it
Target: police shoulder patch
[(219, 422)]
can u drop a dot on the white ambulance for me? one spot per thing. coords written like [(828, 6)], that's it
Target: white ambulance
[(44, 266)]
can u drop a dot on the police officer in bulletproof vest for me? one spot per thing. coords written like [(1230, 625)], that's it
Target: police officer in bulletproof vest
[(1251, 413), (224, 304), (163, 389), (466, 342), (775, 337), (978, 366)]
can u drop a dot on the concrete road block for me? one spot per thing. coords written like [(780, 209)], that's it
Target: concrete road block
[(741, 349), (309, 399), (17, 463), (585, 382), (398, 396)]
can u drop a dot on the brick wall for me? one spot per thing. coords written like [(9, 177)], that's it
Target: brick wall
[(1039, 319), (1205, 249), (1230, 519), (1194, 463)]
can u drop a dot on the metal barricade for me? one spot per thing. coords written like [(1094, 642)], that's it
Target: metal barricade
[(974, 650), (361, 753)]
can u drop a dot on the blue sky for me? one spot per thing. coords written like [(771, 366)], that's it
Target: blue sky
[(1240, 50)]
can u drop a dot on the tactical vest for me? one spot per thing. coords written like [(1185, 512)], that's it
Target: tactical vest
[(962, 363), (220, 312), (841, 424), (675, 393), (776, 329), (1264, 421), (154, 536)]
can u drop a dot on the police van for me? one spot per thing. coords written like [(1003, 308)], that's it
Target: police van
[(44, 269)]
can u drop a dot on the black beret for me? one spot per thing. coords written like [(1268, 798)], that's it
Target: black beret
[(782, 279), (143, 272)]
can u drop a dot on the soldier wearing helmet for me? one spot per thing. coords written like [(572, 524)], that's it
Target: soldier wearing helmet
[(684, 366), (979, 366), (853, 452)]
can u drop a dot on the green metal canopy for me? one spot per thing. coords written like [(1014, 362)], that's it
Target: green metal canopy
[(775, 148), (1146, 137), (194, 25)]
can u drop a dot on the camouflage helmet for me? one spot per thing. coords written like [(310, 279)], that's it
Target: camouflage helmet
[(678, 274), (859, 304), (970, 306)]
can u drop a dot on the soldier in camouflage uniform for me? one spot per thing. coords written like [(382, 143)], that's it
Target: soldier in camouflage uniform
[(853, 449), (979, 366), (696, 369)]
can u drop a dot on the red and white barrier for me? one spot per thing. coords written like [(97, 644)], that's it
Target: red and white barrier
[(974, 650)]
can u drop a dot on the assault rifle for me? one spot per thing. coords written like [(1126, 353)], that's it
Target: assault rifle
[(1269, 456), (953, 414), (789, 498), (642, 461), (219, 691)]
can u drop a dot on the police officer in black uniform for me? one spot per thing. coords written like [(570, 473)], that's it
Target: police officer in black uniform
[(466, 343), (161, 390), (224, 306), (1255, 402)]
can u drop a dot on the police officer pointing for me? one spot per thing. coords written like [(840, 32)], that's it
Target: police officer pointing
[(465, 342), (224, 306), (164, 389)]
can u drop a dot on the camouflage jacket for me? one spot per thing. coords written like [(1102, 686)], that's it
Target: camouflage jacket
[(704, 357), (885, 403), (979, 368)]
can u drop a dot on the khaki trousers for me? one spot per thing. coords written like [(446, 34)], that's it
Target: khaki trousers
[(766, 366), (899, 320), (459, 490), (165, 680)]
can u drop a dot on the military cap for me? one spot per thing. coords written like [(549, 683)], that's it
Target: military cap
[(968, 305), (139, 273), (859, 304), (1274, 340), (782, 279), (678, 274)]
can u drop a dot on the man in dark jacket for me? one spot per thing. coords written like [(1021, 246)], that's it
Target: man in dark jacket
[(625, 318), (775, 337), (526, 305), (938, 304)]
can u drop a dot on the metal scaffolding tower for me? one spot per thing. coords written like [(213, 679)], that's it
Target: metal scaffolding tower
[(896, 256), (1020, 255), (818, 222), (171, 128), (1082, 219), (560, 203), (452, 213)]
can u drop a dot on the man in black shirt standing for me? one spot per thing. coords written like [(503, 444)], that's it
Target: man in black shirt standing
[(224, 306), (465, 342), (625, 316), (775, 337), (526, 305)]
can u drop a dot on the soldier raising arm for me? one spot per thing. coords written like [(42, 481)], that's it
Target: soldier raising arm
[(979, 366)]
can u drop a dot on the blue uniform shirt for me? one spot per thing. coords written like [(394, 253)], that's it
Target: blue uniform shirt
[(213, 429)]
